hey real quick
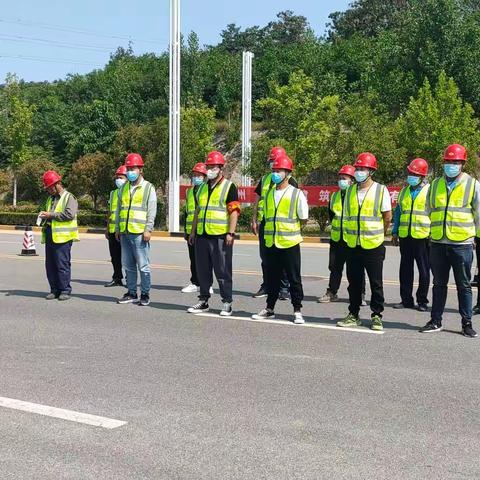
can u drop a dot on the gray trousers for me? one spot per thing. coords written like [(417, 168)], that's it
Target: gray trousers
[(213, 255)]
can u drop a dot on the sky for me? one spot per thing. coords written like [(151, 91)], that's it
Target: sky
[(50, 39)]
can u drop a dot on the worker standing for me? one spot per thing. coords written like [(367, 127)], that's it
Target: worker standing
[(411, 230), (453, 203), (213, 234), (367, 217), (285, 209), (113, 244), (258, 224), (59, 230), (135, 218)]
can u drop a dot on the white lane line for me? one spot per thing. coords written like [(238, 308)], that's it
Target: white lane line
[(285, 322), (61, 413)]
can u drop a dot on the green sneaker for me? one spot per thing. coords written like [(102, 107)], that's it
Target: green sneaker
[(350, 321), (377, 323)]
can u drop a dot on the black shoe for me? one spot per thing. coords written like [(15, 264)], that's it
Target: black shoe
[(468, 331), (260, 294), (431, 327), (283, 296), (114, 283), (199, 307), (422, 307), (401, 305), (476, 309), (144, 300), (64, 296), (128, 298)]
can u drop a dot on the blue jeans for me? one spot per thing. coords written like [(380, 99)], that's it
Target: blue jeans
[(135, 255), (459, 258)]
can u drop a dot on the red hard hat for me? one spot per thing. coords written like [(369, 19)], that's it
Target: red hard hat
[(50, 178), (455, 152), (366, 159), (121, 170), (347, 170), (134, 160), (283, 162), (200, 168), (215, 158), (275, 152), (419, 166)]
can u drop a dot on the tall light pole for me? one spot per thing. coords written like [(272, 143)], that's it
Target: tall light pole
[(246, 115), (174, 120)]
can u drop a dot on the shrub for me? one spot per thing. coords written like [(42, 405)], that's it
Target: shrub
[(321, 216)]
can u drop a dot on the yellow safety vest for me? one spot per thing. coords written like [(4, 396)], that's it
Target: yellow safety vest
[(282, 225), (265, 187), (364, 226), (62, 232), (133, 208), (336, 206), (190, 206), (414, 221), (213, 217), (451, 213), (113, 203)]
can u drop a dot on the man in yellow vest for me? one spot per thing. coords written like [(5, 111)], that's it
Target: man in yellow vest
[(258, 224), (135, 219), (199, 173), (367, 216), (213, 234), (113, 244), (411, 230), (60, 229), (453, 203), (285, 209)]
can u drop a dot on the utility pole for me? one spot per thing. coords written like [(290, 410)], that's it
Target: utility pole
[(246, 115), (174, 120)]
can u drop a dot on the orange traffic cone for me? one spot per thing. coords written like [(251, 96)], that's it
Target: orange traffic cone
[(29, 243)]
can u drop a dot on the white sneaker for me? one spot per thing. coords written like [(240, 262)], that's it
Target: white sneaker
[(191, 288), (226, 310), (298, 318), (199, 307), (211, 290), (265, 314)]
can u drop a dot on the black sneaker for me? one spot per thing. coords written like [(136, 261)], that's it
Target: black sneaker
[(260, 294), (144, 300), (468, 331), (431, 327), (422, 307), (265, 314), (114, 283), (199, 307), (401, 305), (128, 298)]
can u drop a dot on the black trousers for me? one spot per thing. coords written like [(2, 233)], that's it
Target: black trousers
[(414, 250), (193, 266), (337, 257), (360, 260), (284, 260), (57, 264), (115, 249), (263, 256)]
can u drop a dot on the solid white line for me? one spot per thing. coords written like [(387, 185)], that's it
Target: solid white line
[(285, 322), (54, 412)]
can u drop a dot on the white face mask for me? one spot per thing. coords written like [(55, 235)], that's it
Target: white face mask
[(119, 182), (213, 173)]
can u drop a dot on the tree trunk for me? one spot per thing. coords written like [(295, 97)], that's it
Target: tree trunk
[(14, 190)]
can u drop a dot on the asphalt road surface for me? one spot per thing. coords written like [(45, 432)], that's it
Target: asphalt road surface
[(182, 397)]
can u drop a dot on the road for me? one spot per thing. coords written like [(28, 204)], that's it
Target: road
[(214, 398)]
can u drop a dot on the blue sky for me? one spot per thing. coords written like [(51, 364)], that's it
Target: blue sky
[(54, 38)]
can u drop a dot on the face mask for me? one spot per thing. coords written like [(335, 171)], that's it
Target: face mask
[(132, 176), (278, 177), (360, 176), (343, 184), (197, 181), (451, 170), (413, 180), (119, 182), (213, 174)]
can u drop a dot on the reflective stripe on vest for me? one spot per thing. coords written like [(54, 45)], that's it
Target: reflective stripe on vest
[(190, 206), (113, 203), (414, 221), (265, 187), (336, 206), (133, 208), (213, 217), (282, 225), (451, 213), (62, 232), (364, 226)]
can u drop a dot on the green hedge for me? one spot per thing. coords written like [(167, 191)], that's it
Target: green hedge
[(85, 219)]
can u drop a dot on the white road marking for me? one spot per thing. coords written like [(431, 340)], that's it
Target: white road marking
[(285, 322), (61, 413)]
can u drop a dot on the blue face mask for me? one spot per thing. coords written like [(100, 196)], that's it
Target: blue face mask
[(413, 180), (361, 176), (451, 170), (277, 178), (343, 184), (132, 176), (197, 181)]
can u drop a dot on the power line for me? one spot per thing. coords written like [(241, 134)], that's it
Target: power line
[(51, 60)]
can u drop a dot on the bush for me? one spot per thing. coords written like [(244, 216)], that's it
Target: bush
[(85, 219), (245, 219), (321, 216), (161, 217)]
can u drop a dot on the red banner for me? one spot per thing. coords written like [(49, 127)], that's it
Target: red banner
[(317, 196)]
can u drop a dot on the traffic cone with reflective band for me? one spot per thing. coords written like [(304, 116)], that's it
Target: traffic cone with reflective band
[(29, 243)]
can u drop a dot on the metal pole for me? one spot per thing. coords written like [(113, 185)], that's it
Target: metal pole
[(246, 115), (174, 120)]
